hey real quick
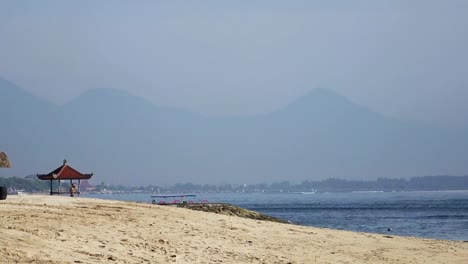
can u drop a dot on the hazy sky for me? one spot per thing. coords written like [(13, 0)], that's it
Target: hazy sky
[(407, 59)]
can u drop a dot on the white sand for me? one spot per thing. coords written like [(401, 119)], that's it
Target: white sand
[(46, 229)]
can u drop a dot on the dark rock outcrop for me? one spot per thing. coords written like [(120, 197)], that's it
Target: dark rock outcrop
[(228, 209)]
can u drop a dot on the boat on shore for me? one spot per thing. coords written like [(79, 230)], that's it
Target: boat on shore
[(172, 198)]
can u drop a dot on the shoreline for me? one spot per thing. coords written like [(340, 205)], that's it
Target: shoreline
[(56, 229)]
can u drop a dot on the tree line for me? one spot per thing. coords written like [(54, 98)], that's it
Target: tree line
[(425, 183)]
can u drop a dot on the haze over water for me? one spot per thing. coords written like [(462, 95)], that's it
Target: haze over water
[(160, 92)]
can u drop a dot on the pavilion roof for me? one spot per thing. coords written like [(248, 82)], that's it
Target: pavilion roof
[(64, 172)]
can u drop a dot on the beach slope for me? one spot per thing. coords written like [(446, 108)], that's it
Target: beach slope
[(45, 229)]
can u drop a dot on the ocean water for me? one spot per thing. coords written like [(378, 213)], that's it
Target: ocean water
[(439, 215)]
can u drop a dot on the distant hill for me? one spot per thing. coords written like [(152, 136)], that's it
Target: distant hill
[(26, 127), (126, 139)]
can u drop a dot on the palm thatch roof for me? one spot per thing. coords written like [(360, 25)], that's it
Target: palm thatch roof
[(4, 162)]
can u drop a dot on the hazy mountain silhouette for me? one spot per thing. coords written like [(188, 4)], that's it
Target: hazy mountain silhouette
[(126, 139), (25, 125)]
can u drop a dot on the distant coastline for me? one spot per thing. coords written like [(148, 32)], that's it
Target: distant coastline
[(426, 183)]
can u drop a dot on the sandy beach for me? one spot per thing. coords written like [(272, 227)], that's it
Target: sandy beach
[(46, 229)]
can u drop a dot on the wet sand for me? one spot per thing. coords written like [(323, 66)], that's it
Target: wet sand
[(46, 229)]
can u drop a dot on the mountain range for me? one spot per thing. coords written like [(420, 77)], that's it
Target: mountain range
[(125, 139)]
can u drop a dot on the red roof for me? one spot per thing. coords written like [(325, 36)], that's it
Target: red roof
[(65, 172)]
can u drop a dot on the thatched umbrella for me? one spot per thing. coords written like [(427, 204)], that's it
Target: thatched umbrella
[(4, 162)]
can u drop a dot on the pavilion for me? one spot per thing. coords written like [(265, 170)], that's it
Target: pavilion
[(64, 173)]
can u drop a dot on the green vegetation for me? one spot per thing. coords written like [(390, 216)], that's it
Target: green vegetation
[(28, 183), (426, 183)]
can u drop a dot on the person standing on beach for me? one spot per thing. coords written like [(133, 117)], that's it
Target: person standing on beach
[(72, 190)]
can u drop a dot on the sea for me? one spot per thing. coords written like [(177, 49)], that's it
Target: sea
[(424, 214)]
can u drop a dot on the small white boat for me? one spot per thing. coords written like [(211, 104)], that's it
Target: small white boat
[(14, 191)]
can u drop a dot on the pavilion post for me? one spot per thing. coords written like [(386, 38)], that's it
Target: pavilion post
[(79, 187), (51, 187), (59, 187)]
